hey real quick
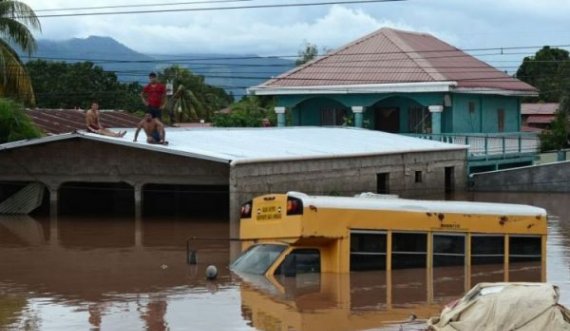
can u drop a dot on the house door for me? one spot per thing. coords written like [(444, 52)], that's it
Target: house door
[(387, 119)]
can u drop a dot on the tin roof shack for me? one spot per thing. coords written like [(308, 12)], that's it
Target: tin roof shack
[(216, 170)]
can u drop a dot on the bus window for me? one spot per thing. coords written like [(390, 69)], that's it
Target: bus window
[(409, 250), (300, 261), (257, 259), (448, 250), (487, 249), (525, 256), (367, 250)]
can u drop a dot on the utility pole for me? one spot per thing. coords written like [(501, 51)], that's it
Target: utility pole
[(169, 105)]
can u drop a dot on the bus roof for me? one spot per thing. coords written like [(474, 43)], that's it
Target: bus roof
[(373, 201)]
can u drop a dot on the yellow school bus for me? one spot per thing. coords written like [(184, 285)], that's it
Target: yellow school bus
[(288, 234)]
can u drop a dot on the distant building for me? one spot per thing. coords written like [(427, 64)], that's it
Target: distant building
[(537, 116), (409, 83), (57, 121)]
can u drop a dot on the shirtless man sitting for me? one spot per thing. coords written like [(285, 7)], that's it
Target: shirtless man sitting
[(94, 125), (154, 130)]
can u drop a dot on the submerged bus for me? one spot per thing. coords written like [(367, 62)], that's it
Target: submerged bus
[(292, 233)]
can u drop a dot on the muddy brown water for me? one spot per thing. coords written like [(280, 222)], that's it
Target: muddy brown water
[(106, 273)]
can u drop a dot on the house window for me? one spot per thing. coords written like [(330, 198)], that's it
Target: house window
[(383, 183), (501, 120), (333, 116), (419, 119), (418, 176), (471, 107)]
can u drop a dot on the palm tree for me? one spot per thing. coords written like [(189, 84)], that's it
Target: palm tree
[(15, 17), (185, 103)]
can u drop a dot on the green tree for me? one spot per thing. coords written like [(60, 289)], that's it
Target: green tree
[(248, 112), (15, 18), (557, 136), (70, 85), (308, 53), (549, 71), (14, 124)]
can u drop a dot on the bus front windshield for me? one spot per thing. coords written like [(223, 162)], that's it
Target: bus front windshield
[(258, 259)]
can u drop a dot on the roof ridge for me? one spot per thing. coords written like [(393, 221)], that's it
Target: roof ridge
[(326, 56), (420, 61)]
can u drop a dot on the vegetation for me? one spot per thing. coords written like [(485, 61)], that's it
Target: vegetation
[(557, 137), (250, 111), (15, 17), (549, 71), (193, 99), (308, 53), (70, 85), (14, 124)]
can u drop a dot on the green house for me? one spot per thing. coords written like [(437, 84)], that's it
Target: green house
[(415, 84)]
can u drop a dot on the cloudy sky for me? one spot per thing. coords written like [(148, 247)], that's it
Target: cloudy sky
[(283, 31)]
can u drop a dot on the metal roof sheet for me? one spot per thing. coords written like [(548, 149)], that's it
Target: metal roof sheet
[(57, 121), (242, 145), (539, 108)]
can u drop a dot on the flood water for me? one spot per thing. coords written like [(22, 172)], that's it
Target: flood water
[(106, 273)]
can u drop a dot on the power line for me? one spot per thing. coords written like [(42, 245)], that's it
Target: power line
[(283, 5), (141, 5)]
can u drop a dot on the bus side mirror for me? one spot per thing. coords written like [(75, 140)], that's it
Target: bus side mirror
[(290, 266)]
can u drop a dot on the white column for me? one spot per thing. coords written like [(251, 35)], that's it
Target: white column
[(280, 111), (358, 111), (435, 111)]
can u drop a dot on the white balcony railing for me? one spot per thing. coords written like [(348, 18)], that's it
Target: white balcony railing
[(490, 145)]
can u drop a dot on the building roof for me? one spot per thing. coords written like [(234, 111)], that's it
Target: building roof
[(401, 60), (57, 121), (540, 119), (539, 108), (252, 145)]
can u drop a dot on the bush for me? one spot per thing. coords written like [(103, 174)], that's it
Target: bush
[(249, 112), (14, 124)]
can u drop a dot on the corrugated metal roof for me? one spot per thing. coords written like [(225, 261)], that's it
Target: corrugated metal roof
[(241, 145), (390, 56), (57, 121), (539, 108)]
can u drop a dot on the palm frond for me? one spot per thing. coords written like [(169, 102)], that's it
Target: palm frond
[(14, 79)]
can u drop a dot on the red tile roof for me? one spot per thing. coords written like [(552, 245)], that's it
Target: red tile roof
[(539, 108), (392, 56), (56, 121)]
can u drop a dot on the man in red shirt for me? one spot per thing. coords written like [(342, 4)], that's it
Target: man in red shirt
[(154, 96)]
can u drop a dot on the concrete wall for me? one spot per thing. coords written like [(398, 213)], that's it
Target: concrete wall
[(82, 160), (553, 177), (484, 119), (346, 177)]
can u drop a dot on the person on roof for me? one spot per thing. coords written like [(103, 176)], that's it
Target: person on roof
[(154, 130), (93, 122), (153, 96)]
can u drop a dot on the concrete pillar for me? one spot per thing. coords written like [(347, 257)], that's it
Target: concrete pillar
[(280, 111), (435, 111), (138, 216), (53, 200), (138, 200), (53, 230), (358, 112)]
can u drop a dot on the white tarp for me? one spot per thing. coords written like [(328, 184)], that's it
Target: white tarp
[(505, 306)]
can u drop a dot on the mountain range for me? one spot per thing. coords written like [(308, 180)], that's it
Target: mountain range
[(233, 72)]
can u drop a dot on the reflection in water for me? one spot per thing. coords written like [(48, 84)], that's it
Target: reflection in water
[(120, 273)]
